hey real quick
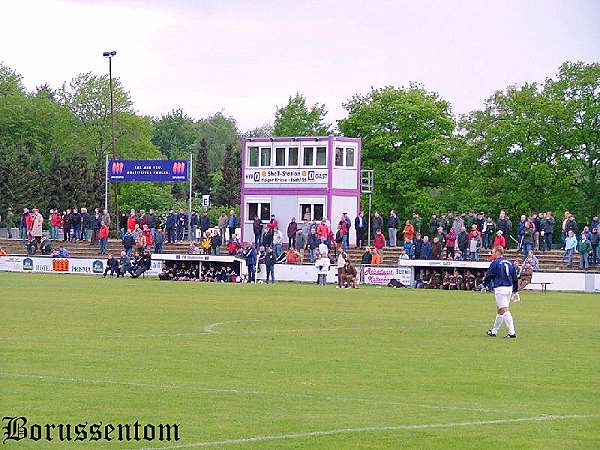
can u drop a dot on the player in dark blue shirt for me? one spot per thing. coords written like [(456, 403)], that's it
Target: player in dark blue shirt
[(502, 277)]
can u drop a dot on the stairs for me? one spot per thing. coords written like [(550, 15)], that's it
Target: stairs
[(549, 261)]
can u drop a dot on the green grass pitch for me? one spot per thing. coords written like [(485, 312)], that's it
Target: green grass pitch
[(295, 366)]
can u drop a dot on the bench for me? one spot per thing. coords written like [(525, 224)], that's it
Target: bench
[(543, 284)]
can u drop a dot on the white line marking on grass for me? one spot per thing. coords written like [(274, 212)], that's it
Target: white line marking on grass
[(212, 328), (281, 395), (375, 429)]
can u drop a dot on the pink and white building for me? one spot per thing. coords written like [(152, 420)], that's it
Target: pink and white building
[(302, 177)]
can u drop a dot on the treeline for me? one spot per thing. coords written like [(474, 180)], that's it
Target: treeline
[(534, 147)]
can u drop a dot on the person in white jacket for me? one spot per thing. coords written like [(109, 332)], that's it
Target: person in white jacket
[(322, 264)]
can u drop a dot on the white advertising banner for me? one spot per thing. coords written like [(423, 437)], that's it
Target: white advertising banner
[(285, 176), (39, 264), (383, 275)]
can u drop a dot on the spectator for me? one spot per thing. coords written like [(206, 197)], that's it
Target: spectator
[(462, 240), (376, 223), (379, 242), (103, 237), (409, 231), (527, 239), (9, 221), (193, 249), (322, 265), (257, 228), (159, 240), (148, 235), (204, 223), (292, 257), (181, 224), (570, 246), (416, 222), (323, 248), (55, 220), (61, 252), (86, 224), (341, 263), (232, 223), (291, 232), (194, 224), (277, 242), (451, 243), (216, 242), (124, 264), (360, 225), (499, 241), (96, 224), (2, 252), (122, 224), (152, 223), (349, 276), (66, 223), (474, 243), (441, 235), (409, 249), (323, 230), (584, 252), (313, 245), (595, 241), (36, 228), (171, 224), (505, 225), (547, 230), (112, 265), (131, 221), (375, 258), (433, 224), (106, 218), (436, 249), (250, 255), (300, 244), (75, 225), (489, 232), (366, 257), (270, 265), (206, 243), (128, 242), (222, 224), (345, 225), (272, 223), (426, 248), (28, 217), (418, 244)]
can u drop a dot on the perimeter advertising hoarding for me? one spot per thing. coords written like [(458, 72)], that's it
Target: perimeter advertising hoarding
[(154, 170)]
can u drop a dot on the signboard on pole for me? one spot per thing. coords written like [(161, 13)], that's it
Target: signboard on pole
[(206, 201), (155, 170)]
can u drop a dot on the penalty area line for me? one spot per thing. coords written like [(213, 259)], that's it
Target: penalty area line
[(374, 429)]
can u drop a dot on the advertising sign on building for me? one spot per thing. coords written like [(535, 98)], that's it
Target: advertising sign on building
[(156, 170), (285, 176)]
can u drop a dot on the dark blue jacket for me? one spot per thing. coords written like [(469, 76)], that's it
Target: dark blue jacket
[(96, 222), (426, 248), (181, 220), (357, 223), (204, 223), (251, 256), (171, 220)]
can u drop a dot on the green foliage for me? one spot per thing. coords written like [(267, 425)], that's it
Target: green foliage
[(298, 119), (219, 132), (406, 135), (202, 180), (228, 191), (145, 196), (175, 135)]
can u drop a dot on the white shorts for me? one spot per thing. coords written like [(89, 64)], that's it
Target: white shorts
[(503, 294)]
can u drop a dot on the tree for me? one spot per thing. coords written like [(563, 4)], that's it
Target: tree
[(219, 132), (228, 191), (298, 119), (406, 134), (175, 134), (202, 180), (265, 130), (11, 82)]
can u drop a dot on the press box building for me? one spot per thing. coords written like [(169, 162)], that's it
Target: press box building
[(302, 177)]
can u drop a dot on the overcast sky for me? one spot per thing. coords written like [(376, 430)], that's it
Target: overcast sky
[(247, 57)]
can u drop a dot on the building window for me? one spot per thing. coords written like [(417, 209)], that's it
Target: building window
[(265, 156), (293, 156), (280, 156), (311, 211), (321, 156), (350, 157), (252, 156), (339, 156), (308, 156), (262, 210)]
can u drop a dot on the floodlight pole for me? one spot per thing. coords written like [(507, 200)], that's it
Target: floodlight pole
[(110, 55), (190, 200), (106, 181)]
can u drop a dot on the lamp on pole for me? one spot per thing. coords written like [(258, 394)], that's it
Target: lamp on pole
[(110, 55)]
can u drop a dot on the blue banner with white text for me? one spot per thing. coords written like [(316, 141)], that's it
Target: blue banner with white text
[(155, 170)]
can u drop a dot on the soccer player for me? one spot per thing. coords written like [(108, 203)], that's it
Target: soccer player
[(502, 277)]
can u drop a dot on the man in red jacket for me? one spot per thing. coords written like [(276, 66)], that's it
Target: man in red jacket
[(103, 237)]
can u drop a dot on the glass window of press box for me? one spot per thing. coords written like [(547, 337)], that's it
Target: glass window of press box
[(344, 157), (287, 156), (311, 211), (262, 210)]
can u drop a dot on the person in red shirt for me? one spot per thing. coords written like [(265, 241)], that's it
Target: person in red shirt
[(379, 242), (293, 257), (273, 224), (408, 231), (103, 237), (500, 241), (148, 235), (131, 222), (323, 230), (55, 223)]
